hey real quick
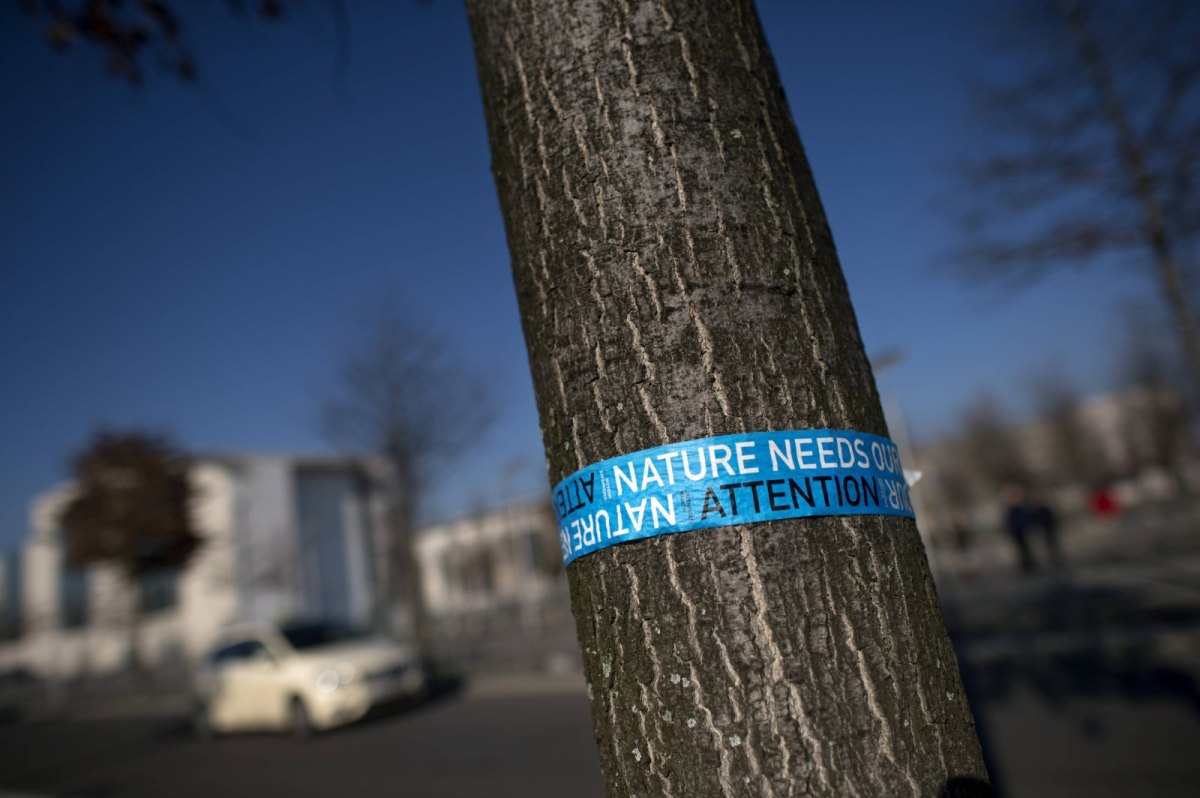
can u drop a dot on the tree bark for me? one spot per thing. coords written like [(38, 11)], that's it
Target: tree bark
[(677, 279)]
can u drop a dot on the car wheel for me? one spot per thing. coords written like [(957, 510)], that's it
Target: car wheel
[(298, 723), (202, 725)]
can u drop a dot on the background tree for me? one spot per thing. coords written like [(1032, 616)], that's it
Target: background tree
[(990, 445), (399, 394), (1095, 149), (131, 36), (131, 507), (1156, 428), (1074, 458), (677, 280)]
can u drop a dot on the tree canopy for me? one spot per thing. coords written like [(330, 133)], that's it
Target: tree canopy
[(131, 504)]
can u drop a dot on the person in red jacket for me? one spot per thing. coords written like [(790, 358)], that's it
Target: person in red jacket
[(1104, 504)]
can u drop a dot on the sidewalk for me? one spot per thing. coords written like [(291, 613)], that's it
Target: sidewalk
[(1086, 681)]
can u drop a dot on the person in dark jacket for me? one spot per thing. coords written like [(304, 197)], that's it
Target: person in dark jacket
[(1043, 519), (1019, 519)]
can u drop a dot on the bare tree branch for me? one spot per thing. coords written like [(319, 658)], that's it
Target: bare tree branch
[(400, 394), (1096, 150)]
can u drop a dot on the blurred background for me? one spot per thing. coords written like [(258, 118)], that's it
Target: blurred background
[(252, 264)]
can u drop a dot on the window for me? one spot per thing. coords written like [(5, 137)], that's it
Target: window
[(241, 651), (73, 597), (10, 601), (533, 549), (158, 590), (316, 634)]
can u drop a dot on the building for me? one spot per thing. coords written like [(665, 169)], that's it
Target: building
[(288, 537), (10, 596), (505, 557), (495, 590), (282, 537), (1134, 443)]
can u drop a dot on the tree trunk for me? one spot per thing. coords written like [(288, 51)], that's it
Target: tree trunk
[(133, 635), (1141, 185), (677, 280), (405, 576)]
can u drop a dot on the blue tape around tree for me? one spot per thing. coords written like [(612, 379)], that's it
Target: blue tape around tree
[(727, 480)]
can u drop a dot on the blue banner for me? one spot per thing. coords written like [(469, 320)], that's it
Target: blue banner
[(728, 480)]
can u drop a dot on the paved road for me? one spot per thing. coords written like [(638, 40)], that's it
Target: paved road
[(1085, 684), (1087, 681), (1098, 746), (493, 745), (1053, 727), (1056, 724)]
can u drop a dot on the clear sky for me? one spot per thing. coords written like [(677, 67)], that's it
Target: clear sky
[(189, 257)]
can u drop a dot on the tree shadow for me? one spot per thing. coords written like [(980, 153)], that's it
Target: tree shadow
[(440, 689), (1133, 674), (966, 787), (1069, 644)]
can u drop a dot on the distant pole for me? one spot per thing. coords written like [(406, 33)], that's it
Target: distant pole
[(677, 280)]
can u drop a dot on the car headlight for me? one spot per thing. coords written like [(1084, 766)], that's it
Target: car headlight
[(334, 678)]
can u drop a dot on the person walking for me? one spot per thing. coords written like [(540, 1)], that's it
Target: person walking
[(1019, 518)]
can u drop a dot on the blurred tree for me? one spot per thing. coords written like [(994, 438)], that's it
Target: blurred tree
[(131, 506), (989, 442), (400, 395), (1074, 457), (955, 484), (1155, 426), (1097, 149), (135, 35), (677, 280)]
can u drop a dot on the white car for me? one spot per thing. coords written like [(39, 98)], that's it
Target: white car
[(300, 677)]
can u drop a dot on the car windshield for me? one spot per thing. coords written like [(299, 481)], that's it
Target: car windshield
[(315, 634)]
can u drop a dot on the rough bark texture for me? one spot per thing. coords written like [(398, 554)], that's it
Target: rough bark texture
[(677, 279)]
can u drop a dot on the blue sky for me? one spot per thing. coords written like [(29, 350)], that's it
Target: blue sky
[(189, 257)]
